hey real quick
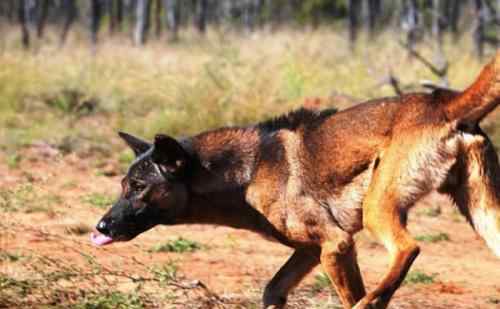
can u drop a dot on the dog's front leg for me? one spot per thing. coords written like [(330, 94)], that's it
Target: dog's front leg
[(298, 265), (338, 258)]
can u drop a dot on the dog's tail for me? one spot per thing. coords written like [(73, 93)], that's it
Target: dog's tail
[(477, 101)]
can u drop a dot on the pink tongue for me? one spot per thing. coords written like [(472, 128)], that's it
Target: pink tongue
[(100, 239)]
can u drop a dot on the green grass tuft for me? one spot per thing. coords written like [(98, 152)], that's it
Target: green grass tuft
[(179, 245), (6, 256), (321, 282), (99, 200), (112, 300), (431, 212), (28, 199), (165, 273), (433, 237), (418, 277), (13, 161), (126, 157), (15, 287)]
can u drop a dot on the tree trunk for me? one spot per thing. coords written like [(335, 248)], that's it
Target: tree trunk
[(25, 35), (252, 14), (411, 20), (201, 15), (157, 11), (172, 13), (260, 6), (70, 11), (354, 10), (11, 11), (374, 8), (248, 15), (30, 13), (111, 8), (478, 34), (455, 17), (437, 23), (96, 11), (119, 15), (142, 22), (42, 18)]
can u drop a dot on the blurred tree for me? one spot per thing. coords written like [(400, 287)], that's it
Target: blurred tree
[(455, 12), (374, 9), (22, 10), (439, 21), (354, 11), (158, 8), (410, 21), (143, 14), (201, 15), (96, 12), (43, 12), (115, 11), (418, 18), (70, 11), (478, 34), (172, 13), (9, 9)]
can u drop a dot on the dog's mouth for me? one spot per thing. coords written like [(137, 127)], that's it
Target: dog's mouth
[(100, 239)]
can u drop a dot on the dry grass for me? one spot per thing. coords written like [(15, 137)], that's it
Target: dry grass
[(70, 101), (198, 84)]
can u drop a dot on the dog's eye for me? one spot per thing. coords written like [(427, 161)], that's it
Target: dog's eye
[(138, 185)]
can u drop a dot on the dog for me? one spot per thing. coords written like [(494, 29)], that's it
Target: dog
[(312, 179)]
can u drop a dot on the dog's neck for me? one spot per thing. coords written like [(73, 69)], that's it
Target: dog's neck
[(225, 159), (228, 208)]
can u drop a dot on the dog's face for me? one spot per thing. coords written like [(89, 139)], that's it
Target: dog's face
[(153, 191)]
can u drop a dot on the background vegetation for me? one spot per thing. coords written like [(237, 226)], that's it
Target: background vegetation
[(73, 73)]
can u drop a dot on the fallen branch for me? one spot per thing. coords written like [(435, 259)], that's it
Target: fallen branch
[(441, 71)]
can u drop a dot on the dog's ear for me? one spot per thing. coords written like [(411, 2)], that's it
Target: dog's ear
[(138, 145), (169, 154)]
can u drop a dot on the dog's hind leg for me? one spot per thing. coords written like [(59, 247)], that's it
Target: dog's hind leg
[(301, 262), (385, 224), (415, 163), (338, 259), (382, 209)]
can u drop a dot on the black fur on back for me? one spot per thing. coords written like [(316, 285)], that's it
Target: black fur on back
[(295, 119)]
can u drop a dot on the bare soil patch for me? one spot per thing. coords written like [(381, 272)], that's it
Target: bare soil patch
[(50, 202)]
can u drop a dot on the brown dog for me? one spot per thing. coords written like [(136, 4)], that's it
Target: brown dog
[(311, 180)]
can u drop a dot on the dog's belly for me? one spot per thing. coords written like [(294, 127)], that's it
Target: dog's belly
[(304, 219), (345, 204)]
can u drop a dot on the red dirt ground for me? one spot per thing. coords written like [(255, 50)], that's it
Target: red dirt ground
[(238, 263)]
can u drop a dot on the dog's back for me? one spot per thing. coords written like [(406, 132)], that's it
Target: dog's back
[(327, 158)]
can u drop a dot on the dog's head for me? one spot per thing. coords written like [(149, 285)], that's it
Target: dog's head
[(153, 191)]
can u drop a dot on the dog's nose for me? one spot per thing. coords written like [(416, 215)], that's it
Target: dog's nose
[(103, 227)]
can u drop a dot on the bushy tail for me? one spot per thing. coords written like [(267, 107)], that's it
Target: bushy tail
[(477, 101)]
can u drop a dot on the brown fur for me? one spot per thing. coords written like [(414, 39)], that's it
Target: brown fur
[(322, 179), (311, 180)]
